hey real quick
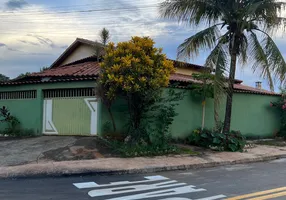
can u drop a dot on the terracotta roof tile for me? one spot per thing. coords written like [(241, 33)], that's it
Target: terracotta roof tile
[(183, 78), (80, 69), (89, 70), (245, 88), (53, 80)]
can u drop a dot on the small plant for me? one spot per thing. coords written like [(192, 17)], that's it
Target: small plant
[(12, 122), (233, 141), (14, 129), (18, 132)]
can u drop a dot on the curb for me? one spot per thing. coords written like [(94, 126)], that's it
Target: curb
[(60, 171)]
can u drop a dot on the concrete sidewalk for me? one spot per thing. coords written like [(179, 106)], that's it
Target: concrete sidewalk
[(144, 165)]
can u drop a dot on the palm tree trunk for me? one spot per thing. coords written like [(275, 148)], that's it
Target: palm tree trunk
[(227, 120)]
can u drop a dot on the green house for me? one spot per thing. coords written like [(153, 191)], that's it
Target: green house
[(61, 100)]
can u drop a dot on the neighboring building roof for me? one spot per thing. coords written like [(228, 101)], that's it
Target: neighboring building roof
[(71, 48), (247, 89), (80, 41), (180, 64), (88, 69), (238, 87)]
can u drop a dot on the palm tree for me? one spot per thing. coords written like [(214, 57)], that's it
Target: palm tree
[(237, 29), (104, 39), (104, 36), (204, 89)]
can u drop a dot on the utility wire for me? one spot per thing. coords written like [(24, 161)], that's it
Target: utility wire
[(81, 11), (72, 6)]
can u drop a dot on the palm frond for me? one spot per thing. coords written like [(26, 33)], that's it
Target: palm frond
[(266, 13), (243, 50), (257, 53), (218, 60), (205, 39), (191, 11), (275, 59)]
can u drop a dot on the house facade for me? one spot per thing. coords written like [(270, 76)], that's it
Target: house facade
[(61, 100)]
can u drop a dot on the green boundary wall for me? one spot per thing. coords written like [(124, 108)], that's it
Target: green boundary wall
[(252, 114)]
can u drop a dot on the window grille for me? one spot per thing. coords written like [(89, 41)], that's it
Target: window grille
[(29, 94), (78, 92)]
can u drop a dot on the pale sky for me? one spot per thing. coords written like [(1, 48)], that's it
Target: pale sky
[(34, 33)]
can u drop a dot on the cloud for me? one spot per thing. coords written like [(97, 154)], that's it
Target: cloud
[(15, 4), (2, 45), (28, 42), (44, 41), (8, 48), (41, 35)]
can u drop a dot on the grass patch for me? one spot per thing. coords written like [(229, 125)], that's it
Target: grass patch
[(184, 150)]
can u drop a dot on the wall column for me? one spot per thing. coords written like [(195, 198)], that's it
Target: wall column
[(40, 102)]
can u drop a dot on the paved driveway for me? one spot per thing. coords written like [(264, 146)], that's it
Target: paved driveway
[(22, 151), (49, 148)]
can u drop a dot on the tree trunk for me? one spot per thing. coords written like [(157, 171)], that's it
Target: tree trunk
[(227, 119), (216, 110), (204, 113), (112, 118)]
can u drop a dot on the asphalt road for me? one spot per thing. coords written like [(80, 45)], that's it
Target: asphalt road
[(259, 181)]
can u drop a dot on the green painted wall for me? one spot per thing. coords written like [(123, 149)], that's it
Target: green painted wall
[(252, 115), (119, 111), (30, 112), (71, 116), (190, 115), (27, 111)]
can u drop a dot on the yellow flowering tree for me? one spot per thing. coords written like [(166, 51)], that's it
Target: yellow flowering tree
[(137, 71)]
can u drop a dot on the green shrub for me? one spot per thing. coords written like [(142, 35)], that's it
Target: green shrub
[(161, 116), (140, 149), (233, 141)]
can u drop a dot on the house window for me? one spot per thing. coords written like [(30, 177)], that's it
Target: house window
[(78, 92), (29, 94)]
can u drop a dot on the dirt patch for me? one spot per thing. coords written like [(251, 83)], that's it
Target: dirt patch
[(84, 148)]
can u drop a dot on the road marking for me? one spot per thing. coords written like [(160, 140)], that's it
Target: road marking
[(85, 185), (257, 194), (207, 198), (213, 197), (270, 196), (160, 193), (133, 188), (95, 185), (165, 188)]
